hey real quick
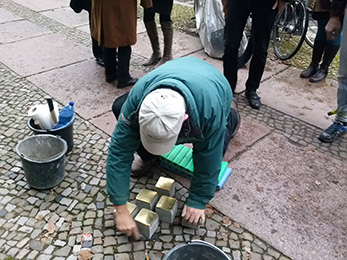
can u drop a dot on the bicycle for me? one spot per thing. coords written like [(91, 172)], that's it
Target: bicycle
[(290, 29)]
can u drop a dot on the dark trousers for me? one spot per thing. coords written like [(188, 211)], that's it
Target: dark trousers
[(232, 123), (117, 69), (263, 17)]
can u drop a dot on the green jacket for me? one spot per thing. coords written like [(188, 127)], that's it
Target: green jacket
[(208, 98)]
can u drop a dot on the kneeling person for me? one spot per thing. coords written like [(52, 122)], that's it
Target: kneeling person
[(184, 101)]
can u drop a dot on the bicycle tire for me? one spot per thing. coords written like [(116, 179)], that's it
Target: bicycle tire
[(311, 30), (289, 30)]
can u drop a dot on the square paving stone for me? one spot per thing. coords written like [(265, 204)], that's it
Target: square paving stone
[(56, 52), (7, 16), (313, 103), (40, 5), (67, 16), (84, 83), (20, 30), (275, 182)]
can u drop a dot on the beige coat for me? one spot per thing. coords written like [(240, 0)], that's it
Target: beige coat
[(114, 22)]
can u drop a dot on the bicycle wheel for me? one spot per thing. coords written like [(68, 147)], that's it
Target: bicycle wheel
[(311, 30), (290, 29)]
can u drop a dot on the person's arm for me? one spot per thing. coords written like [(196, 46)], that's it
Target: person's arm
[(333, 27), (125, 223), (124, 142), (207, 157)]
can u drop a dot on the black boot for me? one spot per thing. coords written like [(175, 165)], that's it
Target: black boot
[(152, 32), (329, 54), (317, 53), (110, 64)]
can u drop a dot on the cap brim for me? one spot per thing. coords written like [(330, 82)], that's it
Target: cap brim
[(157, 148)]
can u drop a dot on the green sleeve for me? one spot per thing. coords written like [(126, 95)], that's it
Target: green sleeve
[(124, 142), (207, 157)]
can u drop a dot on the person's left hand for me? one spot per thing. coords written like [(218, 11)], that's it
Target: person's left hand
[(193, 216), (280, 4)]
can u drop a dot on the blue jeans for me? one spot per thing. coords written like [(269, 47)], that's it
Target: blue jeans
[(342, 75)]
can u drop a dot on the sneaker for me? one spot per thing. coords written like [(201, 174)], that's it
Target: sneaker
[(332, 132)]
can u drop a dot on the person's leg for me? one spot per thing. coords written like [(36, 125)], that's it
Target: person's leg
[(238, 12), (330, 51), (110, 64), (118, 103), (124, 78), (245, 57), (263, 17), (318, 49), (233, 125), (339, 126), (152, 32), (166, 27)]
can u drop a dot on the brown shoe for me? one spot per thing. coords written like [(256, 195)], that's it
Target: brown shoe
[(140, 167)]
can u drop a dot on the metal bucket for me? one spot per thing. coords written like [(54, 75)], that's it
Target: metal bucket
[(195, 250), (43, 160)]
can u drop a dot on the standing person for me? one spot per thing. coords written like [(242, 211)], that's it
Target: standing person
[(164, 9), (78, 6), (186, 100), (263, 17), (322, 45), (114, 27), (333, 29)]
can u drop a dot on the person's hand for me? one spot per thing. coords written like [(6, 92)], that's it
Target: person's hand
[(125, 222), (333, 27), (280, 4), (193, 216)]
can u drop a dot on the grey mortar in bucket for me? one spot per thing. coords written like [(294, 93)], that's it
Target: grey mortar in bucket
[(43, 160)]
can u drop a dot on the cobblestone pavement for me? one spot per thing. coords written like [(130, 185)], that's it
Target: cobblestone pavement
[(80, 204), (48, 224)]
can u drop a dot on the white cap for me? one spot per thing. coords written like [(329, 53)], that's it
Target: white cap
[(161, 117)]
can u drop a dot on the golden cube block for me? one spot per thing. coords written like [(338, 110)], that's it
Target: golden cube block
[(146, 199), (165, 186), (147, 222), (167, 208)]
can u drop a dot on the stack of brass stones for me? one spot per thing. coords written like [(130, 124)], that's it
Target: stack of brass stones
[(153, 206)]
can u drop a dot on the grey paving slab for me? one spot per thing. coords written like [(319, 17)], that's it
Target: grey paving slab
[(313, 103), (7, 16), (20, 30), (106, 122), (292, 197), (84, 28), (42, 53), (183, 44), (67, 16), (249, 133), (84, 83), (40, 5)]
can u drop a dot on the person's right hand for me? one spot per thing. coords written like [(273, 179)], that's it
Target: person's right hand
[(125, 222), (333, 27)]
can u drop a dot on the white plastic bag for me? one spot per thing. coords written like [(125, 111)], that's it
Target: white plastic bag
[(210, 26)]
